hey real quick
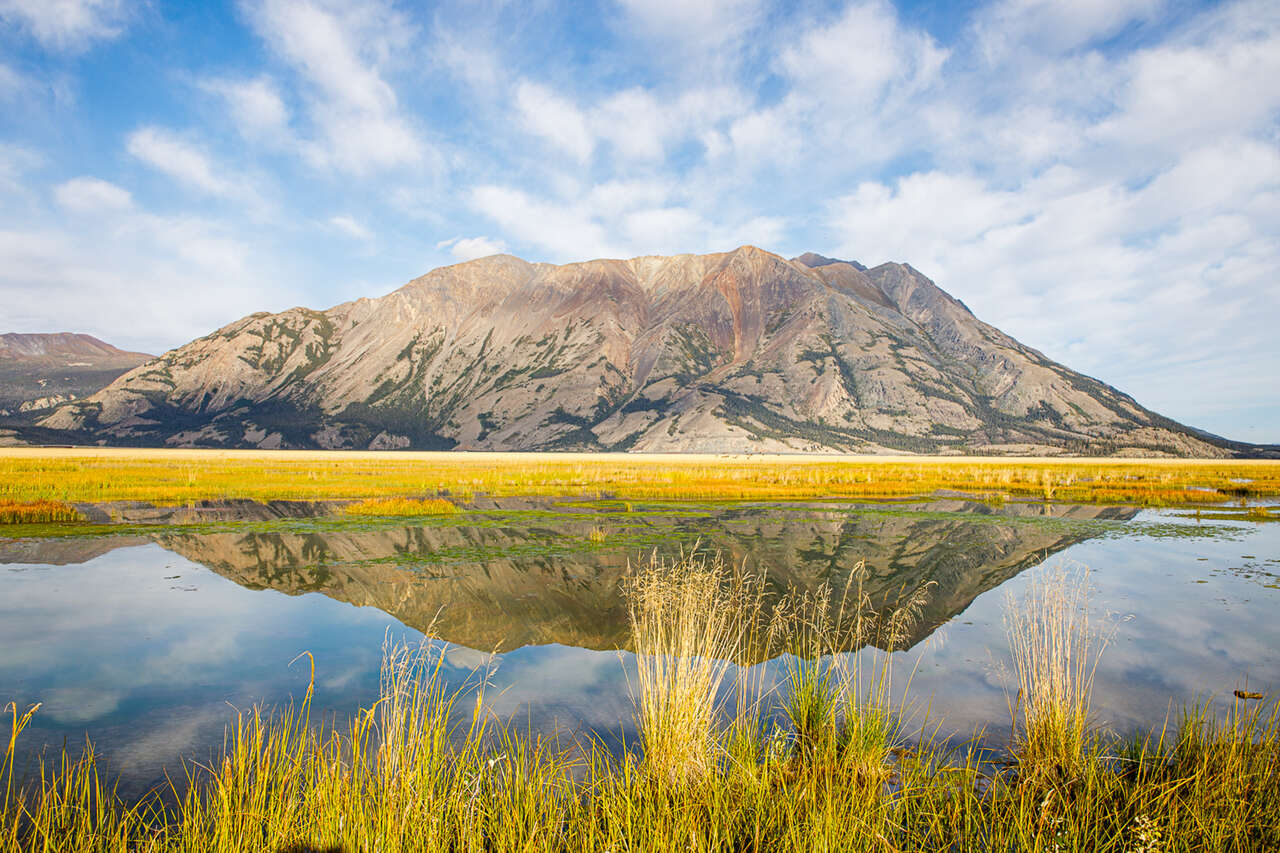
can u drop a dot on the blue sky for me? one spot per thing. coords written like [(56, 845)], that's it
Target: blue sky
[(1099, 178)]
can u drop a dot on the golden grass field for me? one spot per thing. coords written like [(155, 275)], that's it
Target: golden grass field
[(181, 476)]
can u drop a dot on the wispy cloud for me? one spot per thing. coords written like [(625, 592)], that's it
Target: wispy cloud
[(553, 117), (92, 195), (336, 49), (256, 106), (351, 227), (67, 25), (11, 82), (470, 248), (16, 161), (185, 162)]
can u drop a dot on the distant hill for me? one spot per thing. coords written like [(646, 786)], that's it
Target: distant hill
[(739, 351), (41, 371)]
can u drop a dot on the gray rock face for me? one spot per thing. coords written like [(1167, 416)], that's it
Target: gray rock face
[(734, 352)]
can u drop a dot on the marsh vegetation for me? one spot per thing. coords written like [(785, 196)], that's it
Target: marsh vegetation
[(181, 476), (721, 762)]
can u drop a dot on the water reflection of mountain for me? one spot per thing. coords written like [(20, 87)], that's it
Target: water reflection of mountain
[(539, 581)]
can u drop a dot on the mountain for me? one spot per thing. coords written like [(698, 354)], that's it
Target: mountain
[(734, 352), (38, 372)]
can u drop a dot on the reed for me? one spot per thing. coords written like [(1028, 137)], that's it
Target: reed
[(1055, 653), (690, 619)]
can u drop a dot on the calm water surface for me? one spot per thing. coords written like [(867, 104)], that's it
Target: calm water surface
[(147, 640)]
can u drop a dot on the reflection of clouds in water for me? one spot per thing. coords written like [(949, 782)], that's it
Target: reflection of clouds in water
[(346, 677), (79, 704), (461, 657), (116, 627), (549, 685), (192, 732), (1183, 642)]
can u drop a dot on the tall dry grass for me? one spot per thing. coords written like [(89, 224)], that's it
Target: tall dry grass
[(1055, 647), (691, 619)]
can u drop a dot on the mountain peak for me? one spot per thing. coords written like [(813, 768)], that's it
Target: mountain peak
[(741, 351), (813, 260), (60, 345), (41, 371)]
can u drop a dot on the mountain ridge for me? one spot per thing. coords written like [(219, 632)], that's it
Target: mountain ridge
[(39, 371), (34, 345), (736, 351)]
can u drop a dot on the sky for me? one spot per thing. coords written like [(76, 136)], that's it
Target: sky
[(1098, 178)]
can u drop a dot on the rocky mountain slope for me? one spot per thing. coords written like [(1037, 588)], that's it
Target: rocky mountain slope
[(735, 352), (41, 371)]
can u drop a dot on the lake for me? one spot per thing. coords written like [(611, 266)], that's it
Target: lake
[(145, 636)]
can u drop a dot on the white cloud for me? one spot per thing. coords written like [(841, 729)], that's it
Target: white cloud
[(546, 114), (68, 25), (362, 143), (470, 248), (134, 278), (352, 228), (566, 231), (1185, 94), (765, 136), (636, 124), (467, 57), (11, 82), (92, 195), (321, 43), (181, 160), (680, 18), (15, 163), (858, 56), (338, 48), (921, 215), (701, 28), (1055, 25), (857, 86), (256, 106), (618, 219)]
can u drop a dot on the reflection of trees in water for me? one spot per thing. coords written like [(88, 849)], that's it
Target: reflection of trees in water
[(509, 585)]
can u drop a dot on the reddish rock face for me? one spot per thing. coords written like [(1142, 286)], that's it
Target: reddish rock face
[(740, 351)]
